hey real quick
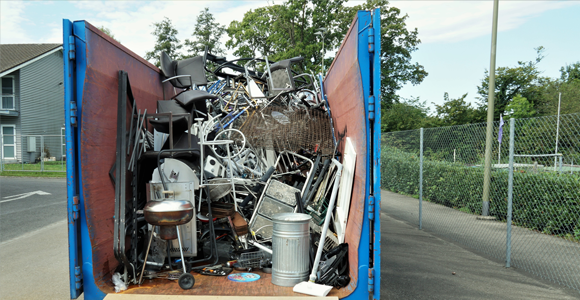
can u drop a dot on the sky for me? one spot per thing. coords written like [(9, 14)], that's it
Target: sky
[(455, 35)]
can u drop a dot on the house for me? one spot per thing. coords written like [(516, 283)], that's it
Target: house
[(32, 107)]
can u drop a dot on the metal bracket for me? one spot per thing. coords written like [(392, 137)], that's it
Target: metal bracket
[(371, 36), (78, 277), (371, 107), (371, 207), (75, 208), (371, 280), (73, 113), (71, 51)]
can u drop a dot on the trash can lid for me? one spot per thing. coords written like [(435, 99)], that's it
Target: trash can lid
[(291, 217)]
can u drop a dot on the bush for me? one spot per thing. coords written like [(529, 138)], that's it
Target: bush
[(546, 202)]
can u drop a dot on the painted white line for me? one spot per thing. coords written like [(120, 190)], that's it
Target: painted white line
[(22, 196)]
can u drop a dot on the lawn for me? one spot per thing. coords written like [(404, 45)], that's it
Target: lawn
[(51, 169)]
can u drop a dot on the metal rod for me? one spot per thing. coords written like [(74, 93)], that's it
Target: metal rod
[(180, 250), (557, 129), (421, 181), (490, 111), (146, 253), (537, 155), (510, 196)]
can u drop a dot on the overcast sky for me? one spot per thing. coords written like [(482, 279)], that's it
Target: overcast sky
[(455, 35)]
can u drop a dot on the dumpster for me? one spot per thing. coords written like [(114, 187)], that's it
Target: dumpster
[(95, 69)]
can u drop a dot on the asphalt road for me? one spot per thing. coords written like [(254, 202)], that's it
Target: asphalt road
[(29, 204)]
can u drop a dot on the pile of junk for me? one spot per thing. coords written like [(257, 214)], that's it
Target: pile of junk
[(235, 175)]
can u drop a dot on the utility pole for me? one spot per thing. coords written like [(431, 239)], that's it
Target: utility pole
[(490, 110)]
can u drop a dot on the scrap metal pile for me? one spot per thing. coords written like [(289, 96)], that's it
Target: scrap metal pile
[(211, 170)]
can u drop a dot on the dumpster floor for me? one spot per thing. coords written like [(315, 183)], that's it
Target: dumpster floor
[(215, 285)]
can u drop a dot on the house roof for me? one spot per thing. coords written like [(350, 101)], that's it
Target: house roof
[(12, 55)]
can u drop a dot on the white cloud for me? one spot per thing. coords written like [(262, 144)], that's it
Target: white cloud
[(11, 17), (453, 21), (131, 22)]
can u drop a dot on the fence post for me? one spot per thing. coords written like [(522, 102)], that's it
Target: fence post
[(560, 164), (42, 153), (510, 196), (421, 181)]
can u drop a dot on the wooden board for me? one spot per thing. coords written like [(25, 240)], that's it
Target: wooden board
[(345, 191)]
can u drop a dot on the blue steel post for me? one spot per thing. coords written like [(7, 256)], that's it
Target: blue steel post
[(510, 196), (376, 64), (421, 180)]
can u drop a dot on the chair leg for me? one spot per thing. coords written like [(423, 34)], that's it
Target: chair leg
[(180, 250)]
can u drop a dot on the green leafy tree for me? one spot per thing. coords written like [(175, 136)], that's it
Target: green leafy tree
[(406, 114), (520, 107), (456, 112), (397, 45), (166, 41), (207, 33), (570, 72), (289, 29), (108, 32), (570, 99), (524, 79)]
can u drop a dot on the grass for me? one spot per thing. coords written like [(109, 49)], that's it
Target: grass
[(33, 170)]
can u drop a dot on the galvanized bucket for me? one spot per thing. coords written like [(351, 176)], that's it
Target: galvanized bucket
[(290, 246)]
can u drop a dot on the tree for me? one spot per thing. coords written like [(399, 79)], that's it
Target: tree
[(397, 45), (570, 72), (289, 29), (520, 107), (405, 115), (207, 33), (524, 79), (108, 32), (456, 112), (570, 99), (166, 41)]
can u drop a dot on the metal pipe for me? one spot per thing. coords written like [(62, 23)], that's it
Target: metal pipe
[(510, 196), (490, 110), (421, 181), (557, 129)]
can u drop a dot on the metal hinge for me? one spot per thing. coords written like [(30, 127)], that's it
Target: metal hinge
[(73, 113), (371, 280), (75, 208), (71, 47), (371, 107), (371, 207), (78, 278), (371, 37)]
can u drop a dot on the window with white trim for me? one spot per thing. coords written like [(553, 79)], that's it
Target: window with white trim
[(7, 93), (62, 142), (8, 141)]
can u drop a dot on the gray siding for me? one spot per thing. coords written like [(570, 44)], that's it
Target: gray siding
[(13, 120), (42, 103)]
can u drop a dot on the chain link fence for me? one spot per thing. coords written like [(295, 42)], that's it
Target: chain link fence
[(534, 211), (32, 153)]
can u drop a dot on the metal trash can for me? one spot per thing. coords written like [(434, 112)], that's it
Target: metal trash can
[(290, 246)]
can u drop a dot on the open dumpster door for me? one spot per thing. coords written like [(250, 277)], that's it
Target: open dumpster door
[(352, 88), (72, 180)]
